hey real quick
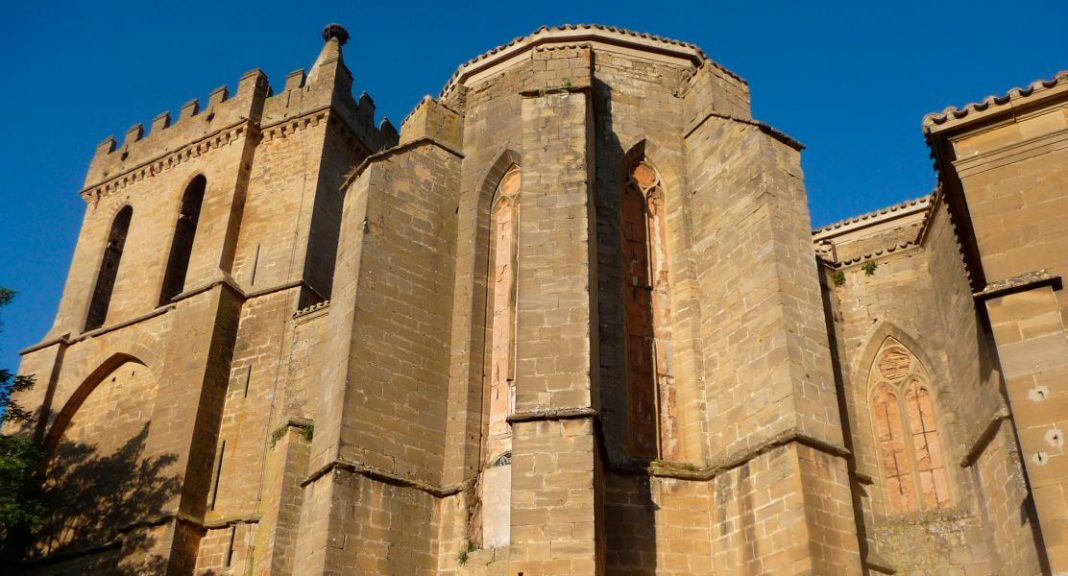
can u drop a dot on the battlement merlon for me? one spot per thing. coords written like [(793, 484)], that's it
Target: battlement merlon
[(193, 124), (328, 85)]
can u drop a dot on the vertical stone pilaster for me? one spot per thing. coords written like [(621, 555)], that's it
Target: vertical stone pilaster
[(1033, 349), (555, 518), (189, 409)]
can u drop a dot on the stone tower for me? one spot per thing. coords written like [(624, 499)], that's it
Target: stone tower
[(571, 320)]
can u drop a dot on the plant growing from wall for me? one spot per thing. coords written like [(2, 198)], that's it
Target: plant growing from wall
[(869, 268), (306, 431), (465, 553), (839, 278)]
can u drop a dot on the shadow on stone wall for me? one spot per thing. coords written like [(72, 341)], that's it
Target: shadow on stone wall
[(104, 512)]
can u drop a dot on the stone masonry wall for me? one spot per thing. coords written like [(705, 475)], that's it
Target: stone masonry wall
[(898, 299)]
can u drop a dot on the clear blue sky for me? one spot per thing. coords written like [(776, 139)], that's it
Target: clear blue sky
[(849, 79)]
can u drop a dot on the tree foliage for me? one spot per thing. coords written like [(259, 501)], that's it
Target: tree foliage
[(19, 504)]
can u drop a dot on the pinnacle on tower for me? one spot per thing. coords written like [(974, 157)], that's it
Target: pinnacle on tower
[(335, 36), (335, 30)]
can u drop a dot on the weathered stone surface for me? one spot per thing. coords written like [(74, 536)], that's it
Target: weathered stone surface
[(570, 320)]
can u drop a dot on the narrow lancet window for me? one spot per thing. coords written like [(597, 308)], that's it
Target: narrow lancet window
[(929, 465), (109, 269), (647, 304), (496, 479), (906, 432), (185, 230), (893, 454)]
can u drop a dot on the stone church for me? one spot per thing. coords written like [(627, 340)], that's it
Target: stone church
[(571, 318)]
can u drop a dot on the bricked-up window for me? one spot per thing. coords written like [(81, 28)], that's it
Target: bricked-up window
[(925, 439), (647, 305), (893, 455), (109, 269), (906, 432), (496, 478), (185, 230)]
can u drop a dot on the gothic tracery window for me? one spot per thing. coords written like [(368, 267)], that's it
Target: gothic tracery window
[(906, 432), (647, 305)]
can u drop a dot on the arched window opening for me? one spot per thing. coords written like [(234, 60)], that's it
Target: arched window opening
[(925, 439), (906, 432), (185, 231), (647, 305), (496, 476), (109, 269), (893, 455)]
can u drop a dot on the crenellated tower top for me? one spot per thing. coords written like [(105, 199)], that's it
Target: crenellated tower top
[(255, 107)]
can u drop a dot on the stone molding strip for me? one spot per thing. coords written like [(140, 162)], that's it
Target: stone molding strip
[(325, 304), (1012, 153), (683, 471), (985, 437), (1021, 283), (226, 281), (540, 92), (371, 473), (763, 127), (67, 340), (552, 414)]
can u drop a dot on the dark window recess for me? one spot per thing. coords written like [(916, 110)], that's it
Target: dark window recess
[(185, 230), (109, 269)]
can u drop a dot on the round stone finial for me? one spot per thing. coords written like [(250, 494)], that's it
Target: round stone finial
[(336, 31)]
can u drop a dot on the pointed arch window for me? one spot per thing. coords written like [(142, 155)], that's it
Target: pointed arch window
[(185, 231), (647, 307), (109, 269), (496, 477), (904, 421)]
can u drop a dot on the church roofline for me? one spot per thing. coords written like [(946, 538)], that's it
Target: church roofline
[(991, 106), (854, 223), (572, 33)]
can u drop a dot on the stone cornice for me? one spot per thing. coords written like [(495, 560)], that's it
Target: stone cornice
[(575, 33), (868, 219), (167, 160), (1012, 153), (1021, 283), (343, 465), (323, 306), (221, 137)]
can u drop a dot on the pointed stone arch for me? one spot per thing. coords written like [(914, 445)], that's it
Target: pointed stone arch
[(108, 269), (874, 342), (646, 249), (74, 402), (905, 423), (185, 231), (490, 181)]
